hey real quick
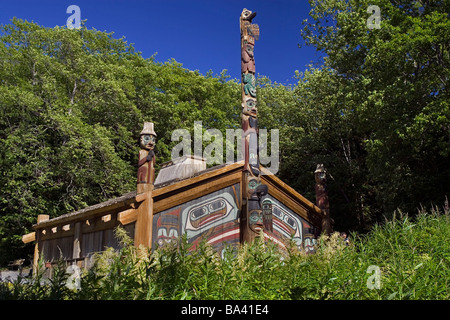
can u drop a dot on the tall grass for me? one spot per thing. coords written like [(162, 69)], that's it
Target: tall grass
[(412, 256)]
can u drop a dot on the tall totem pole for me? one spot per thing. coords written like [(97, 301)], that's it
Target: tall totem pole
[(253, 220)]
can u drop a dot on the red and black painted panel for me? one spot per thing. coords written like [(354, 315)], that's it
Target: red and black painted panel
[(287, 225), (213, 217)]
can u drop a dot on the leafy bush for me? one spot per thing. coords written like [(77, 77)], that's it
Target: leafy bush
[(412, 256)]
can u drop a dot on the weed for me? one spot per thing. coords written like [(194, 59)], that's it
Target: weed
[(411, 255)]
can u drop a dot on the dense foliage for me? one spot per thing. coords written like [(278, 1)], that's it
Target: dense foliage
[(376, 113), (411, 256), (72, 105)]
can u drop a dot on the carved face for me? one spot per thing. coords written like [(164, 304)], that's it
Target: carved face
[(252, 184), (247, 56), (249, 49), (320, 177), (255, 222), (250, 108), (147, 141)]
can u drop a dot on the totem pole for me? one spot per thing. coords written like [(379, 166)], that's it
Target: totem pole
[(146, 177), (322, 198), (146, 164), (253, 219)]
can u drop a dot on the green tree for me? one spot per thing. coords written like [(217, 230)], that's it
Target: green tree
[(393, 89), (317, 125), (72, 104)]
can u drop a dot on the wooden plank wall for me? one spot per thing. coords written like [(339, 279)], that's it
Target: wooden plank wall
[(78, 240)]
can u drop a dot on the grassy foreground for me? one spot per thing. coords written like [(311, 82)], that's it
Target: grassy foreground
[(403, 258)]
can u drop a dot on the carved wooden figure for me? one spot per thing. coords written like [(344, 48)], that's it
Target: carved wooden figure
[(247, 57), (267, 215), (322, 197), (249, 84), (146, 164), (145, 180)]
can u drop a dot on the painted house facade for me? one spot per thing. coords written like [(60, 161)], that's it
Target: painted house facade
[(205, 206)]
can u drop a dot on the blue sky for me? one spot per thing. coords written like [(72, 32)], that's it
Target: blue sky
[(200, 34)]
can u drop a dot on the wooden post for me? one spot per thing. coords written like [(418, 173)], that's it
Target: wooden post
[(322, 197), (76, 253), (144, 222), (252, 214), (146, 178), (41, 218)]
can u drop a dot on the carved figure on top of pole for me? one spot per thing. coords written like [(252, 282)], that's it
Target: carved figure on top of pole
[(322, 197), (145, 180), (253, 219), (147, 161)]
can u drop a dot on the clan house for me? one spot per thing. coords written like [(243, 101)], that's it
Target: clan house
[(228, 204)]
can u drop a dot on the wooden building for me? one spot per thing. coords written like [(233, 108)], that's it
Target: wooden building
[(224, 205), (206, 205)]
